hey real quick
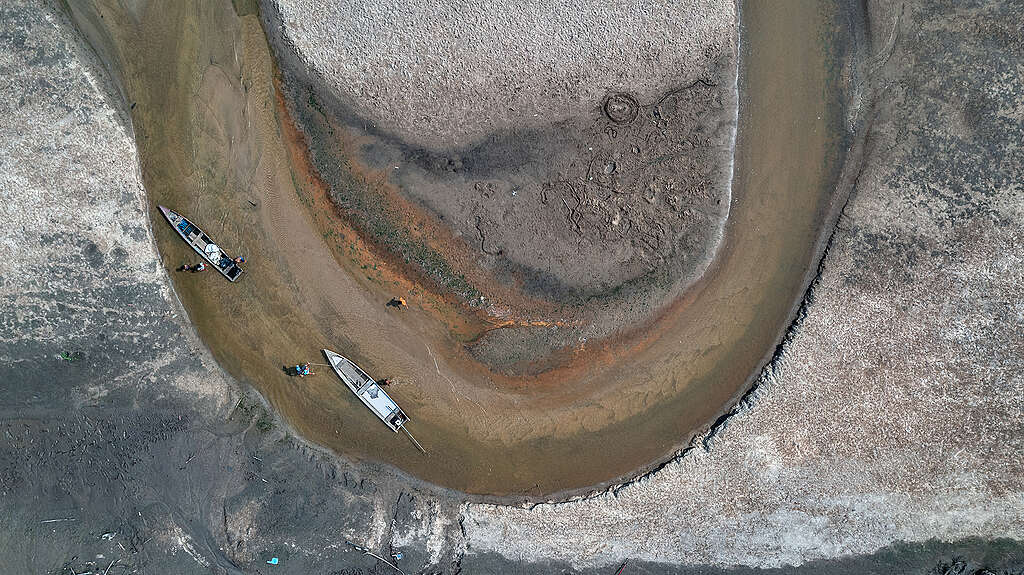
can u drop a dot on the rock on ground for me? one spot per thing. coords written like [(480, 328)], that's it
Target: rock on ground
[(895, 412)]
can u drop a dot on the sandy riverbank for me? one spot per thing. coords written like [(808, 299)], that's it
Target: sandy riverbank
[(216, 143)]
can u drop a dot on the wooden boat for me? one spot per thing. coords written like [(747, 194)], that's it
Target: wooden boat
[(371, 394), (202, 244)]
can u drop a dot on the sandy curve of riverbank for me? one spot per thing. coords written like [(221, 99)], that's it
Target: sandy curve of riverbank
[(215, 136)]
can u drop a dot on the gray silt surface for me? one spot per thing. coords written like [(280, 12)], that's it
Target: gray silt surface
[(443, 73)]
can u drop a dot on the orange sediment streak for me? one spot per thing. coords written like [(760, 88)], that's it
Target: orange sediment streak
[(387, 274), (361, 252)]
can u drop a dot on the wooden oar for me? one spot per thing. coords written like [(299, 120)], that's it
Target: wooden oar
[(420, 447)]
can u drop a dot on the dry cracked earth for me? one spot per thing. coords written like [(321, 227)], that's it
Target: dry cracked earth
[(884, 437)]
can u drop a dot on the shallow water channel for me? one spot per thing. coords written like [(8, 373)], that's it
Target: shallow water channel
[(216, 144)]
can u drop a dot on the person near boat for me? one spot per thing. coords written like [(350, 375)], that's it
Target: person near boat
[(302, 370), (204, 245), (371, 393), (225, 261)]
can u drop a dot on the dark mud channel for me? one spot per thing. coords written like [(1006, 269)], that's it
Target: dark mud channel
[(216, 141)]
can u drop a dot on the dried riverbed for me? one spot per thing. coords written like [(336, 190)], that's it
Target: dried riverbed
[(887, 426), (216, 141)]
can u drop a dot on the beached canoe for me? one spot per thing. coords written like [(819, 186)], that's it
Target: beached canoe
[(367, 390), (372, 396), (202, 244)]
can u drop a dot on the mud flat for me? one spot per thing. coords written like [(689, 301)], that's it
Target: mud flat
[(584, 187), (574, 172), (216, 141)]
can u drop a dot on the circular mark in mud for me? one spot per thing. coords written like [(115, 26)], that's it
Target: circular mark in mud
[(621, 108)]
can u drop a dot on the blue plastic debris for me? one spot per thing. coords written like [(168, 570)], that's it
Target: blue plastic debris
[(273, 561)]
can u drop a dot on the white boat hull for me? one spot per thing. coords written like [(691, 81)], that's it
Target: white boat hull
[(202, 244), (367, 390)]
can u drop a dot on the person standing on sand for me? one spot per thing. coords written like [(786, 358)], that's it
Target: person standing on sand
[(225, 261)]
